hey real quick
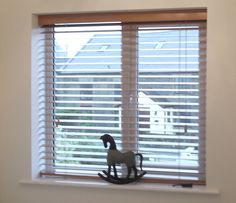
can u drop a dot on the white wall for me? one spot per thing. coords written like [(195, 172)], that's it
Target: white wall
[(15, 90)]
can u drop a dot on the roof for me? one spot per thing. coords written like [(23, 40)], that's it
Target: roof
[(102, 52)]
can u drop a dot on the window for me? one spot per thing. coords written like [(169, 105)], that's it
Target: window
[(151, 100), (104, 47), (159, 44)]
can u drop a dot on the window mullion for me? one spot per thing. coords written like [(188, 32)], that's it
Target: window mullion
[(129, 87)]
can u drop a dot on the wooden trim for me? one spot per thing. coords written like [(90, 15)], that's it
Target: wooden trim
[(174, 181), (125, 17), (143, 180), (129, 87)]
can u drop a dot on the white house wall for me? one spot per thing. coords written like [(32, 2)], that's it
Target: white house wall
[(158, 121)]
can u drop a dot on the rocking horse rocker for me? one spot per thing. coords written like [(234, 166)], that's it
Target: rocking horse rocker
[(114, 157)]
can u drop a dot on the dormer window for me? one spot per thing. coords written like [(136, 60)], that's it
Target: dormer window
[(104, 47), (159, 44)]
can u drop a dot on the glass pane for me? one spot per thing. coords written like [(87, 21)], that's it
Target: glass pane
[(87, 89), (168, 84)]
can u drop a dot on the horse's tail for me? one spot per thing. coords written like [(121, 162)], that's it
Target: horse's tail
[(141, 160)]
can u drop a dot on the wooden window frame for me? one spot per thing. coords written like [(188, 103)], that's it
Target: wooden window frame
[(129, 18), (125, 17)]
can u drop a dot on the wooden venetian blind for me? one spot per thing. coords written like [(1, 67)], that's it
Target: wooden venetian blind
[(139, 76)]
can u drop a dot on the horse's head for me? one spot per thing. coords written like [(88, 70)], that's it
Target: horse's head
[(105, 139), (108, 138)]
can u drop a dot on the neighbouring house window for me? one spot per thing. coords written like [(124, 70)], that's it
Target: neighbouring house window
[(104, 47), (113, 77), (159, 44)]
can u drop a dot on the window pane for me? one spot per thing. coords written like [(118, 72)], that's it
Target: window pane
[(168, 84), (87, 95)]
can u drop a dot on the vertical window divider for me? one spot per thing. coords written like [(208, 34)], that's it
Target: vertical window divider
[(129, 87)]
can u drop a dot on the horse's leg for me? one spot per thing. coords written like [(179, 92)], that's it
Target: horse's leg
[(135, 171), (109, 171), (115, 172), (128, 172)]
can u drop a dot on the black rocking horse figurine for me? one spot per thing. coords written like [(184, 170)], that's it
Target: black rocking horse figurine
[(114, 157)]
